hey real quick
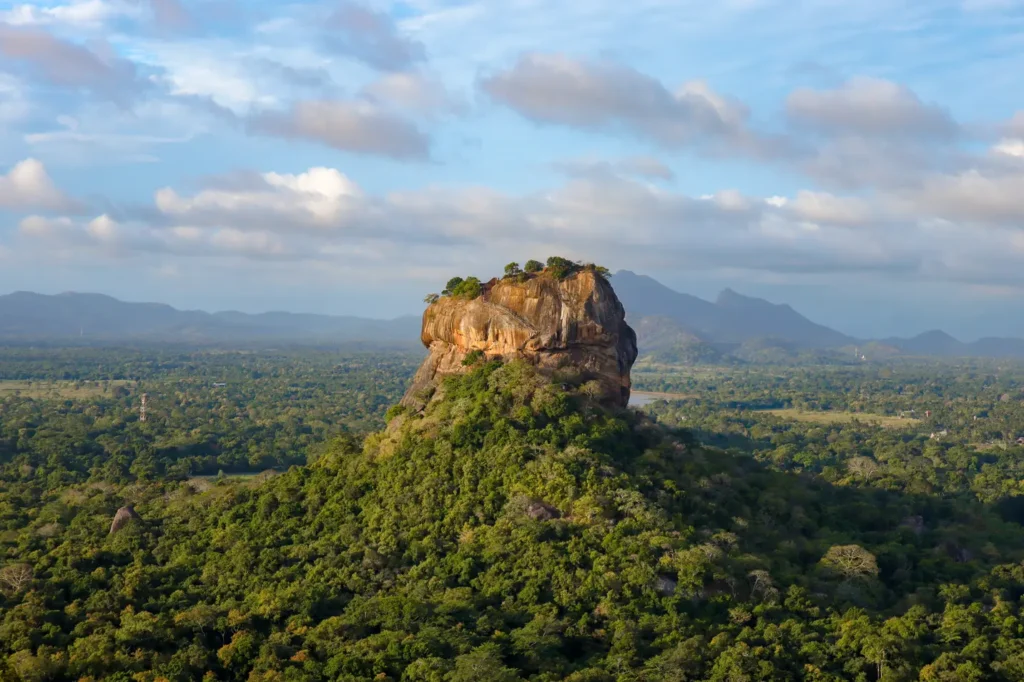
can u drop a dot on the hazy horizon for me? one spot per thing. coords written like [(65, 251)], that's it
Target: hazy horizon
[(415, 309), (861, 162)]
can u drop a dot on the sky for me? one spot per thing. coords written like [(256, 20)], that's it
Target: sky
[(861, 161)]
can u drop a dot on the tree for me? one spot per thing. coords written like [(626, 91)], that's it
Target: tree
[(512, 270), (15, 577), (483, 663), (468, 288), (850, 562), (533, 266), (453, 284), (561, 267), (431, 299)]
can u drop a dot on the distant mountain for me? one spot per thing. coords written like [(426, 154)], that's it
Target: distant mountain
[(731, 319), (940, 344), (95, 318), (934, 342), (735, 327), (671, 327)]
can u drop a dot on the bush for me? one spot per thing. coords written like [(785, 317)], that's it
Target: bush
[(453, 284), (468, 288), (560, 267), (533, 266), (472, 358)]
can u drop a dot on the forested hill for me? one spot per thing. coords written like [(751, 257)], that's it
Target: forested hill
[(515, 530), (95, 318)]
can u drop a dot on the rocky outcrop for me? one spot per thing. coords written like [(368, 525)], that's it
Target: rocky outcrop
[(575, 324), (123, 516)]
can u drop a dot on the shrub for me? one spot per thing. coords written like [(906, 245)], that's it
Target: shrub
[(560, 267), (468, 288), (533, 266), (453, 284), (472, 357)]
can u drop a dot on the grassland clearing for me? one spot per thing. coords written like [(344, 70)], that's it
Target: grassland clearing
[(840, 417), (62, 390)]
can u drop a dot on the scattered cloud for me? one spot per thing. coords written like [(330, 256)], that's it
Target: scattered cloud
[(27, 186), (350, 125), (635, 166), (411, 91), (371, 37), (14, 105), (68, 65), (610, 97), (970, 197), (822, 207), (323, 216), (72, 144), (79, 14), (869, 107), (322, 198), (171, 15)]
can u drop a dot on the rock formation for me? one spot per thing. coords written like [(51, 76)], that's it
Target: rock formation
[(122, 517), (574, 323)]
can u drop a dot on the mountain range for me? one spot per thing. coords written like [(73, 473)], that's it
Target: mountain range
[(96, 318), (679, 326), (669, 324)]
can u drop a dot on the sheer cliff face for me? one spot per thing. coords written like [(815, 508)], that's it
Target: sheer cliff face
[(576, 324)]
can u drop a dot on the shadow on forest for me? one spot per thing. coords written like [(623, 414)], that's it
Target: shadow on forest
[(917, 538)]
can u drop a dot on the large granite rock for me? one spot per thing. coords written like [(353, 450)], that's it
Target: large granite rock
[(574, 324)]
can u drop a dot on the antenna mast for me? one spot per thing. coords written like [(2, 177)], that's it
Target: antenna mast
[(142, 408)]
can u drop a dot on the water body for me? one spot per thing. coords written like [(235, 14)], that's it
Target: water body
[(641, 399), (644, 398)]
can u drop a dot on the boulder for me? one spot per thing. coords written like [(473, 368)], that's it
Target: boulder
[(122, 517), (575, 324)]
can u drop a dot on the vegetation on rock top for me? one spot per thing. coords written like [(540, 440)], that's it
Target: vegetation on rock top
[(557, 267)]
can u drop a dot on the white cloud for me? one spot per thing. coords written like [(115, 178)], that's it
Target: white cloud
[(1010, 147), (970, 197), (609, 97), (14, 104), (822, 207), (322, 218), (80, 14), (351, 125), (320, 197), (869, 106), (28, 186), (410, 91)]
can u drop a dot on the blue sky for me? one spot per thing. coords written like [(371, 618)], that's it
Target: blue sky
[(863, 162)]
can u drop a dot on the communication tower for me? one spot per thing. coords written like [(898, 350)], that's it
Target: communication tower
[(142, 408)]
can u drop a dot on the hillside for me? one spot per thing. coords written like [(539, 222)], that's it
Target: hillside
[(95, 318), (513, 530)]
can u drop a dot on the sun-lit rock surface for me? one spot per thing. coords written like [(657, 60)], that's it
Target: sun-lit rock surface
[(575, 324)]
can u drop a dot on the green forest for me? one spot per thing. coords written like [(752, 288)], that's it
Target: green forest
[(769, 523)]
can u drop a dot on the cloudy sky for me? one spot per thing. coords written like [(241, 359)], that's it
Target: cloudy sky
[(862, 161)]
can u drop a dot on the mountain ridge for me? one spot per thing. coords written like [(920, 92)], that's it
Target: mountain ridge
[(88, 317), (680, 324)]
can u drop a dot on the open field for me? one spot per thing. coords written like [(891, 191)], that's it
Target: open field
[(841, 417), (64, 390)]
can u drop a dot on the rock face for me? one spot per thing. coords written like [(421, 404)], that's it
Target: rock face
[(122, 517), (576, 323)]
